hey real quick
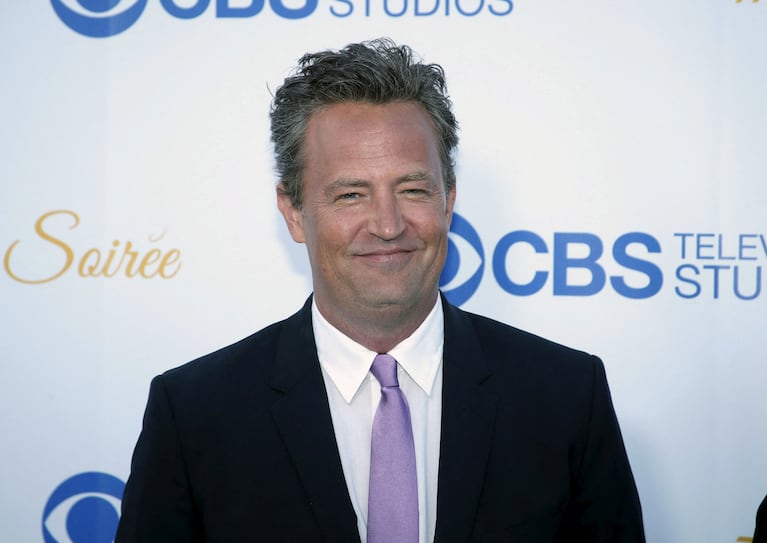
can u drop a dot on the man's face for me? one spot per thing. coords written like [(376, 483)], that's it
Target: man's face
[(375, 215)]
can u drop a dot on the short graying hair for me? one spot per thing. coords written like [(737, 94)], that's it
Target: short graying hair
[(376, 72)]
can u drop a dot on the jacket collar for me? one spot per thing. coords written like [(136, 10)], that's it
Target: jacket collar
[(302, 415), (468, 421)]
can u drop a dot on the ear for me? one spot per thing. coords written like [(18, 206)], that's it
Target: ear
[(450, 203), (292, 215)]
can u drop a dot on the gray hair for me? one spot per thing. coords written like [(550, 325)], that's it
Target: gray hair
[(376, 72)]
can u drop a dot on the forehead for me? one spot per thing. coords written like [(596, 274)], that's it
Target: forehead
[(364, 136), (363, 114)]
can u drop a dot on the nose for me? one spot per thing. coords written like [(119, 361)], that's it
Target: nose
[(387, 221)]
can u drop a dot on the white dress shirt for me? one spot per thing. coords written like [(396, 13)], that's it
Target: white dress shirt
[(353, 395)]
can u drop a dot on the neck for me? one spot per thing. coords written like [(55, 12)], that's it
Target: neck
[(379, 329)]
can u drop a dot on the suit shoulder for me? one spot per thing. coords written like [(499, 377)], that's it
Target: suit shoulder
[(508, 348), (492, 330), (253, 354)]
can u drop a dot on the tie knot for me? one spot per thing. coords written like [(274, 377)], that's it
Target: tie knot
[(385, 370)]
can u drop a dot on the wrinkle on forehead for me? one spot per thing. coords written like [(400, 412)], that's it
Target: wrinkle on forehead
[(364, 134)]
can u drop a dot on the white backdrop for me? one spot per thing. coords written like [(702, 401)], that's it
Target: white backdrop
[(581, 122)]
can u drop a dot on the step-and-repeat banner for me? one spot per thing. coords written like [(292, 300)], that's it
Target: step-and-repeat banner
[(611, 196)]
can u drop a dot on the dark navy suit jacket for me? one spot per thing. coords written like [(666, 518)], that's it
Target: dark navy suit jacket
[(238, 446), (760, 531)]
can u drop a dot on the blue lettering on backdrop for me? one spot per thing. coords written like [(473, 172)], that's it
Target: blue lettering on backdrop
[(348, 8), (399, 13), (501, 13), (499, 263), (469, 13), (757, 286), (723, 264), (563, 262), (422, 8), (293, 13), (83, 509), (99, 24), (223, 9), (681, 274), (419, 13), (719, 276), (653, 272)]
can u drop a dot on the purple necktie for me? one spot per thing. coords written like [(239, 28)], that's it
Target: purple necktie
[(393, 497)]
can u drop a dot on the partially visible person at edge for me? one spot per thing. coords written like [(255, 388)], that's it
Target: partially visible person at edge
[(760, 531), (483, 433)]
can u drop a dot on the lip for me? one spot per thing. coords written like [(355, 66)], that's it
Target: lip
[(385, 252), (386, 256)]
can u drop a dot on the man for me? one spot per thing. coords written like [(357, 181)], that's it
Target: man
[(378, 412)]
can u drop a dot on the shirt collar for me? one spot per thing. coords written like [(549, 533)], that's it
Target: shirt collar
[(347, 363)]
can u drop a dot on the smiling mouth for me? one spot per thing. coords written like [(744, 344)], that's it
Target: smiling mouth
[(386, 257)]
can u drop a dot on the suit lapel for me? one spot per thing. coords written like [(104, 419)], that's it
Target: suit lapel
[(303, 418), (468, 419)]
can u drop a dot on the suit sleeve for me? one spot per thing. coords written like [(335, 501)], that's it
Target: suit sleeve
[(760, 531), (157, 505), (605, 506)]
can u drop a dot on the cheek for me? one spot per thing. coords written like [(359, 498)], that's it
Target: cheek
[(433, 225), (333, 232)]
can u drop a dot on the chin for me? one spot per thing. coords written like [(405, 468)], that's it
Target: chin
[(393, 300)]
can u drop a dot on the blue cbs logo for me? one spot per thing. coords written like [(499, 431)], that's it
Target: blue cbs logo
[(104, 18), (83, 509), (571, 263), (98, 18), (463, 240)]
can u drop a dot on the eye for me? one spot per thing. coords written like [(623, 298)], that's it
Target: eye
[(465, 262), (83, 509)]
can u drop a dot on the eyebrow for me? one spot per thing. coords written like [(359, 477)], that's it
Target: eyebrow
[(419, 175), (345, 183)]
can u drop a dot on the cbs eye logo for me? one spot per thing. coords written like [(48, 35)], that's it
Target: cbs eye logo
[(98, 18), (464, 253), (83, 509)]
